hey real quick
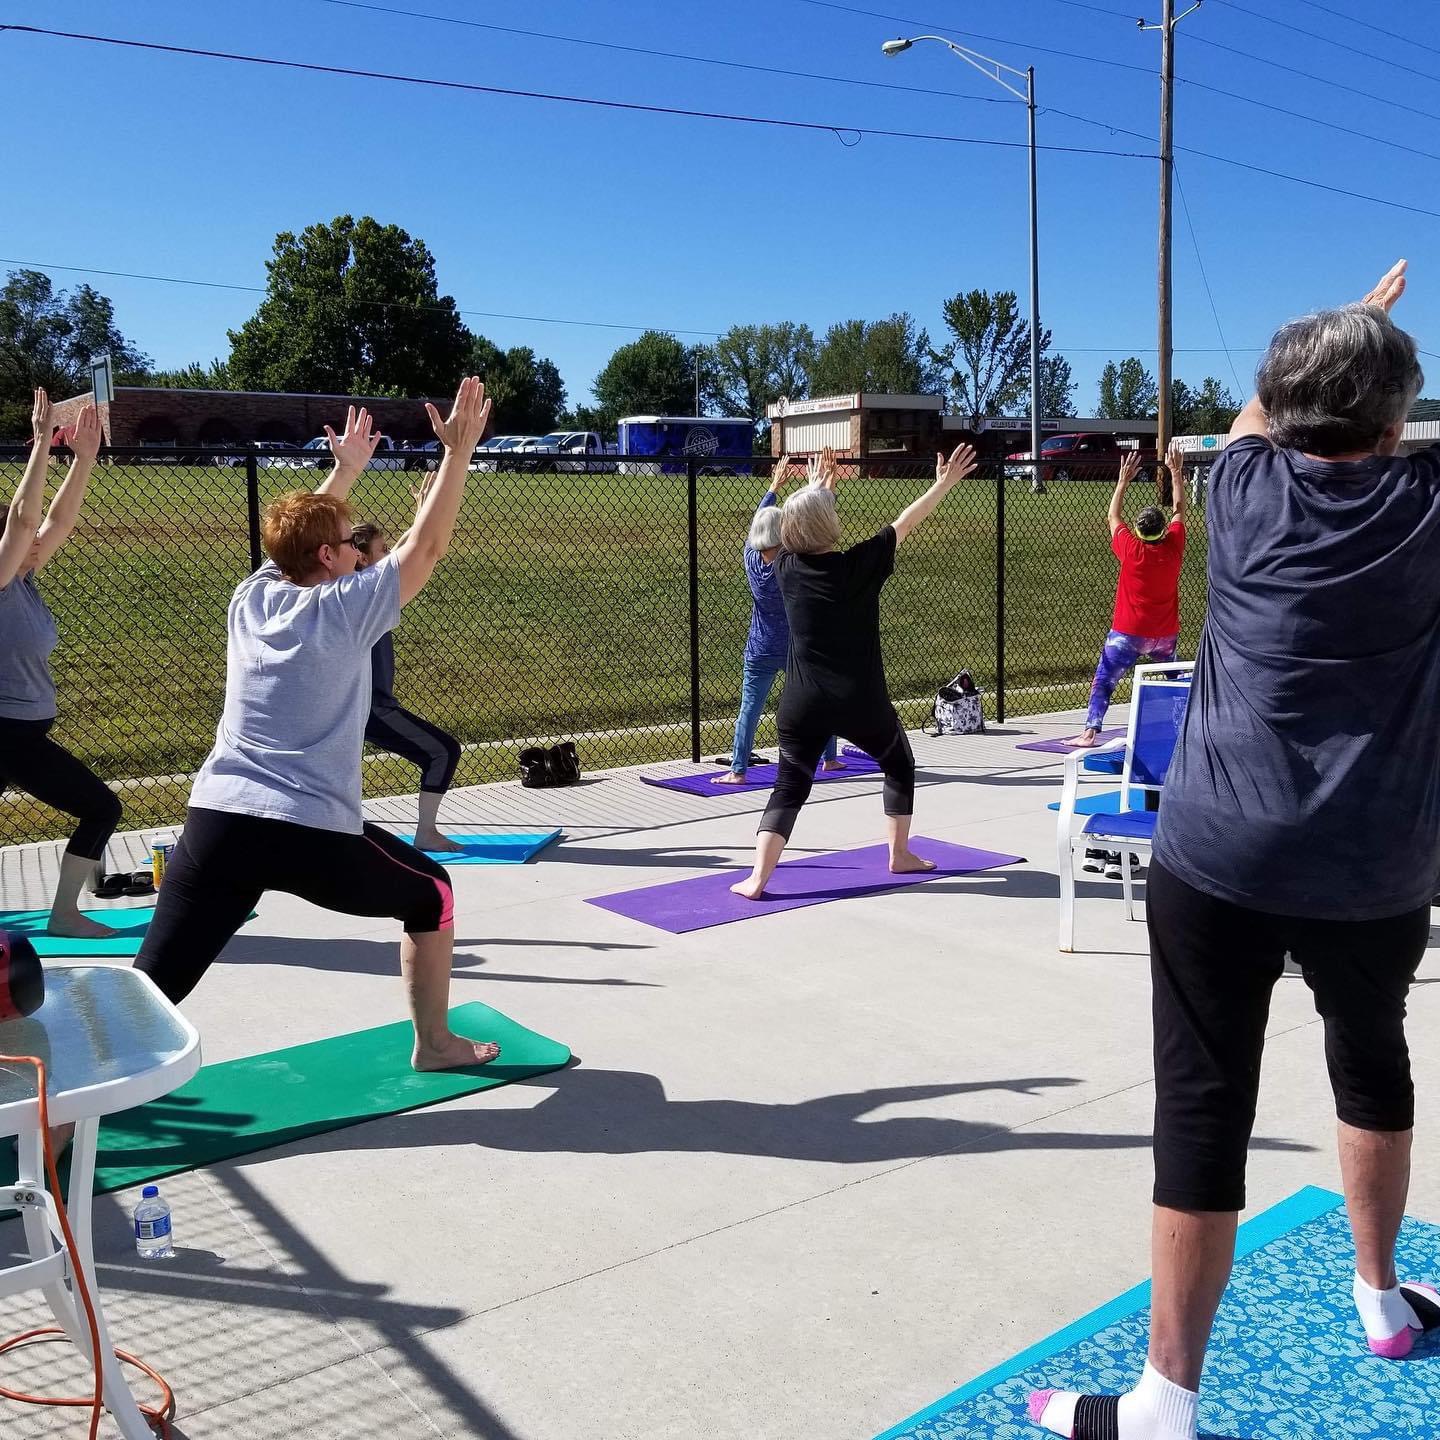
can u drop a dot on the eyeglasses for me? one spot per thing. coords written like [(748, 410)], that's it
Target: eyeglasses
[(347, 540)]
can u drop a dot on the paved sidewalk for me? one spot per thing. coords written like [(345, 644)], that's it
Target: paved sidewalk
[(809, 1172)]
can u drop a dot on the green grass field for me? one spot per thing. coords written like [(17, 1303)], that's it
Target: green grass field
[(562, 609)]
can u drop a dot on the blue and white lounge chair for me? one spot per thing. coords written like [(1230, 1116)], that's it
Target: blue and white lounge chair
[(1157, 711)]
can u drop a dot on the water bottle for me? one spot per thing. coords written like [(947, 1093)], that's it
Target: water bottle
[(152, 1226)]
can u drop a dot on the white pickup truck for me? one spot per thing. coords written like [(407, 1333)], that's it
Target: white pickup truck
[(388, 455), (573, 449)]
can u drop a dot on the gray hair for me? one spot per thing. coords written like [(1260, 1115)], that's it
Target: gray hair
[(809, 524), (765, 529), (1334, 382)]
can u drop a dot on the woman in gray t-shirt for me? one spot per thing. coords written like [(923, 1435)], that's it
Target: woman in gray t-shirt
[(30, 760)]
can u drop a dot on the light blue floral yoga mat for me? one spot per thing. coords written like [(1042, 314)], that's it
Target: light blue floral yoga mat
[(1288, 1361)]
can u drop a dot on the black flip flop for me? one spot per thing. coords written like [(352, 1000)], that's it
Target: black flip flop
[(111, 887), (140, 882)]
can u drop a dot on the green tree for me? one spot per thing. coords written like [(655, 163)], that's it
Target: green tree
[(753, 366), (527, 393), (885, 357), (654, 375), (48, 338), (194, 376), (351, 307), (987, 360), (1127, 391), (1214, 409), (1057, 387)]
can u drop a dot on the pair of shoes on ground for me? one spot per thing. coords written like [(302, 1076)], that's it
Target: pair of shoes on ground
[(541, 768), (125, 882), (1107, 862)]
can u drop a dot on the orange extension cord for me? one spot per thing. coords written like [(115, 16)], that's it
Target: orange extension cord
[(51, 1334)]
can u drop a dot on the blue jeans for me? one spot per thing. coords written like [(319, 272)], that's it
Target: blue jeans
[(758, 681)]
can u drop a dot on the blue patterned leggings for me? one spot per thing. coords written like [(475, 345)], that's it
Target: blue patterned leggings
[(1118, 656)]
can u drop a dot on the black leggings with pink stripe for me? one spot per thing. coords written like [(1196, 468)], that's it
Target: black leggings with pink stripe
[(224, 863)]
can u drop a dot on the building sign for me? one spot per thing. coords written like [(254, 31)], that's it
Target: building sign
[(1009, 423), (785, 407)]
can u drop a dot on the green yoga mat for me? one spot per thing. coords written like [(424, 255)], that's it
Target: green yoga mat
[(240, 1106), (129, 924)]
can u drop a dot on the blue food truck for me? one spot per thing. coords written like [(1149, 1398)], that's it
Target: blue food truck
[(722, 446)]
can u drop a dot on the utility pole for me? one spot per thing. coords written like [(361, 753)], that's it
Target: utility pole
[(1168, 21), (697, 382)]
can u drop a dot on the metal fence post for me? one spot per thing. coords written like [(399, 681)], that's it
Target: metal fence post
[(1000, 594), (252, 509), (693, 503)]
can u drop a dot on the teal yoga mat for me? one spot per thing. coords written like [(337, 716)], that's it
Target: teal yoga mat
[(129, 925), (240, 1106), (486, 849), (1288, 1360)]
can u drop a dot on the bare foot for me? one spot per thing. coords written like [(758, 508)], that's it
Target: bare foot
[(1085, 740), (77, 927), (750, 889), (907, 862), (434, 840), (834, 765), (731, 777), (457, 1053)]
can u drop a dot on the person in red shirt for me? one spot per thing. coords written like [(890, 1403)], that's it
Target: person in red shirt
[(1146, 625)]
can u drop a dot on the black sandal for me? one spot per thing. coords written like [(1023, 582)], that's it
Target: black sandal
[(110, 887)]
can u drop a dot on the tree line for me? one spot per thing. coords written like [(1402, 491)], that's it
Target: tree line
[(352, 307)]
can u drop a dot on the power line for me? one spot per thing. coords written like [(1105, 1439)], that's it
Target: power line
[(666, 54), (1205, 279), (1366, 25), (378, 304), (838, 130), (499, 315), (1325, 39)]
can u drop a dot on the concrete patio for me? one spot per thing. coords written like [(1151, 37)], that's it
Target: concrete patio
[(807, 1174)]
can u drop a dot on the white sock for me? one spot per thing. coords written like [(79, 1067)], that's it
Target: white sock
[(1156, 1409), (1383, 1313)]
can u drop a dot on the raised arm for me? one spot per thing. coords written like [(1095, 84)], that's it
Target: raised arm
[(948, 473), (352, 452), (778, 476), (1252, 420), (65, 507), (1128, 467), (1175, 462), (27, 507), (427, 540), (821, 469)]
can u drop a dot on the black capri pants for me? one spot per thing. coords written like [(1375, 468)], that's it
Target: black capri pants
[(224, 863), (436, 752), (31, 761), (1213, 965), (801, 745)]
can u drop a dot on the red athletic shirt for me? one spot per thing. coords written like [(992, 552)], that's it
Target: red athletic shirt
[(1147, 599)]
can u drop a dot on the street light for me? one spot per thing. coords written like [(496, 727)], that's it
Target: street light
[(997, 71)]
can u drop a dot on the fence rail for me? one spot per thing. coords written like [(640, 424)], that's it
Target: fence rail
[(604, 601)]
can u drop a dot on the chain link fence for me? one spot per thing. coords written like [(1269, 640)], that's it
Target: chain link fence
[(603, 601)]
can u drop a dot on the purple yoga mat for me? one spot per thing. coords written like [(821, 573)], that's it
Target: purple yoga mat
[(761, 777), (696, 904), (1061, 747)]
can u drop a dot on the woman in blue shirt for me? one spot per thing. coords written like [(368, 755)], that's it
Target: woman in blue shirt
[(768, 642)]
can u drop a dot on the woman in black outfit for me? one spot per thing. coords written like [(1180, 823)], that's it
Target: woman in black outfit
[(835, 680)]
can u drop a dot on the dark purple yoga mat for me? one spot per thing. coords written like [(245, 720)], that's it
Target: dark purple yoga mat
[(1061, 747), (696, 904), (760, 777)]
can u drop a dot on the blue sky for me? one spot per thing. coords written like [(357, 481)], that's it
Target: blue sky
[(188, 167)]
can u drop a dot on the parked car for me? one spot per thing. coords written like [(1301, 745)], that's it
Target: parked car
[(389, 455), (575, 450), (277, 455), (1076, 457), (499, 451)]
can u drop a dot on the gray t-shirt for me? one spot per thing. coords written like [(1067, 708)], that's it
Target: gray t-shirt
[(1307, 779), (297, 695), (27, 636)]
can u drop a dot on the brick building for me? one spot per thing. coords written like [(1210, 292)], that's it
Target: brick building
[(888, 427), (149, 415)]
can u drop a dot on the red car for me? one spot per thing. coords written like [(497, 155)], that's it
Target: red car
[(1080, 457)]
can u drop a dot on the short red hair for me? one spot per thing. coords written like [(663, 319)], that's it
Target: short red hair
[(297, 525)]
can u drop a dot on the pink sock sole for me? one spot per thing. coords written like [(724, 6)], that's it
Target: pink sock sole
[(1035, 1406), (1397, 1347)]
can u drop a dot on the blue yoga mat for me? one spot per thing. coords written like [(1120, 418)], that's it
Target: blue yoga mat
[(1103, 802), (483, 849), (1288, 1360)]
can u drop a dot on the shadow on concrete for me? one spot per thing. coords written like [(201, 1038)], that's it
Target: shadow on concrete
[(355, 956), (621, 1112)]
